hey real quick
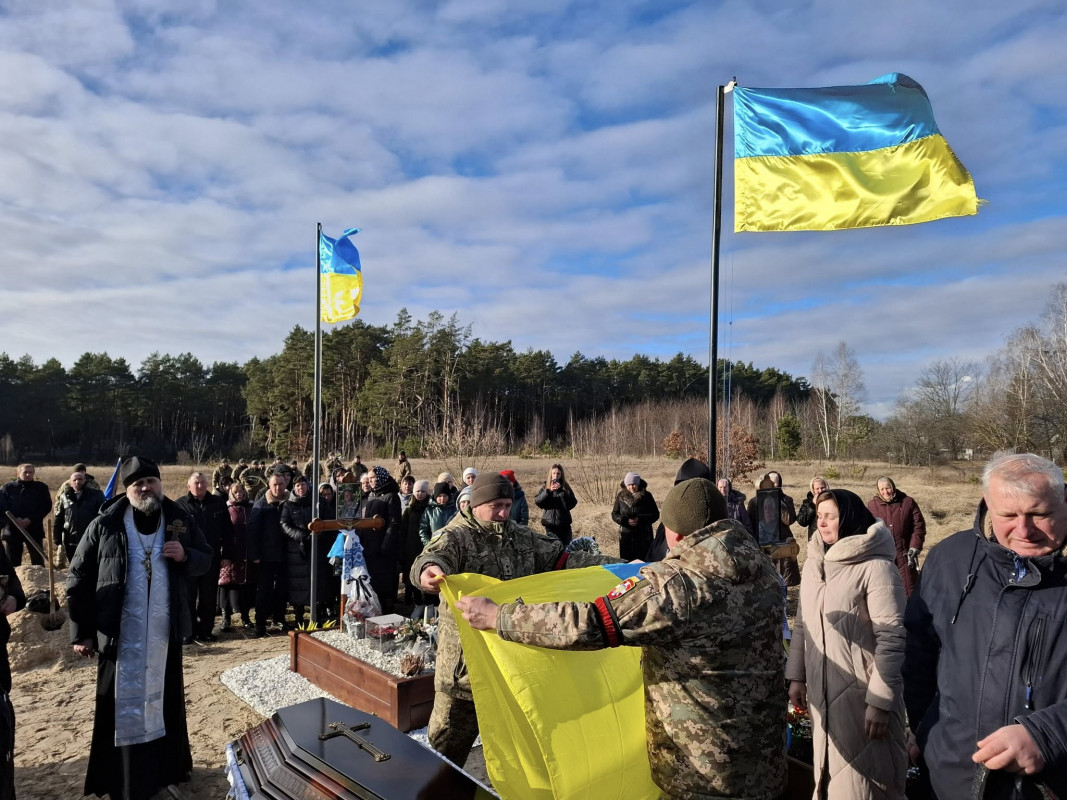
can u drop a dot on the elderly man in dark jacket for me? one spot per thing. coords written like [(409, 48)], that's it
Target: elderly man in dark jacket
[(77, 506), (986, 658), (127, 595), (30, 502), (213, 518), (266, 549)]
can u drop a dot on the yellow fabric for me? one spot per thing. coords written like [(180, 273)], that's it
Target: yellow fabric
[(555, 723), (340, 296), (914, 182)]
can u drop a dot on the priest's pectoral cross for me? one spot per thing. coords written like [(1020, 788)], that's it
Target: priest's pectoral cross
[(146, 562), (349, 732)]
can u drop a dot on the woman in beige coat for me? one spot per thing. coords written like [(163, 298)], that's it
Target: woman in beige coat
[(847, 651)]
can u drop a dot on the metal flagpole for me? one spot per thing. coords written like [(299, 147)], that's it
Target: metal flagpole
[(314, 476), (716, 230)]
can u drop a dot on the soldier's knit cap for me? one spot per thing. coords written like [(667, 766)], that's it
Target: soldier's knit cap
[(135, 468), (490, 486), (692, 505)]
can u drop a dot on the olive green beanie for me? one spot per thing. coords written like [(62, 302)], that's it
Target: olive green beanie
[(692, 505)]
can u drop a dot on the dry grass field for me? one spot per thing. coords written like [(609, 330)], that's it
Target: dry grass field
[(53, 690), (948, 495)]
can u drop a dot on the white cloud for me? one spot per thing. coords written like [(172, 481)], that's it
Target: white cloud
[(542, 169)]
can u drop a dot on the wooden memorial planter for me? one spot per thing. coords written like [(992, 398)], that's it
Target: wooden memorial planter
[(404, 703)]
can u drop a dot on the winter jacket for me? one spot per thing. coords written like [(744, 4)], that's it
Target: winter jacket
[(238, 549), (410, 523), (905, 521), (13, 588), (213, 517), (266, 540), (388, 492), (30, 500), (520, 508), (848, 647), (74, 512), (435, 518), (96, 582), (635, 540), (555, 505), (735, 507), (295, 516), (808, 517), (987, 647), (708, 621)]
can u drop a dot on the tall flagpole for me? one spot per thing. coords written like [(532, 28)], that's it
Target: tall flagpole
[(314, 476), (716, 229)]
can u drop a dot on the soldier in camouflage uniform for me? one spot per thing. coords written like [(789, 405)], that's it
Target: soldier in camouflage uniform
[(708, 618), (223, 470), (242, 465), (483, 540)]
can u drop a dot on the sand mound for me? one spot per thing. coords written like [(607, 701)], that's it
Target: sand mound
[(31, 645)]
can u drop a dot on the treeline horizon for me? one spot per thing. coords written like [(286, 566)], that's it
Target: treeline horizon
[(426, 386)]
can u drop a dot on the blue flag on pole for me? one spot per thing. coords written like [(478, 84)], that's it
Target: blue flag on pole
[(109, 492)]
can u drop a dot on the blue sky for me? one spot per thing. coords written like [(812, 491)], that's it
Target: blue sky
[(542, 168)]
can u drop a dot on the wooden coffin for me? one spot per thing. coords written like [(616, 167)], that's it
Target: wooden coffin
[(323, 750)]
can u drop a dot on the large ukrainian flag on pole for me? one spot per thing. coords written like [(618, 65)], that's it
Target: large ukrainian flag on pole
[(341, 284), (843, 157)]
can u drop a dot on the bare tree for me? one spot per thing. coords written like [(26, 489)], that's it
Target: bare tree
[(943, 397), (837, 382)]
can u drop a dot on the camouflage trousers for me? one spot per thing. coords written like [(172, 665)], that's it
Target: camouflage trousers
[(453, 728)]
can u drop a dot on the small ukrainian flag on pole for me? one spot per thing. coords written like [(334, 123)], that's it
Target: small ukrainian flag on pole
[(342, 277)]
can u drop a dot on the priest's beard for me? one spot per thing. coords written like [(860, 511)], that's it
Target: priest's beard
[(146, 504)]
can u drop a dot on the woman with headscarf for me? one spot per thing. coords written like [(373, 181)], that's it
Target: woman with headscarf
[(411, 544), (847, 652), (297, 513), (905, 521), (806, 515), (635, 511), (556, 499), (382, 559)]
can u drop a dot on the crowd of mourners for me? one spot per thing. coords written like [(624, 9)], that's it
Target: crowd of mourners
[(960, 666)]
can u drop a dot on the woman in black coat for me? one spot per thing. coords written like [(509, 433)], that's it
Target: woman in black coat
[(635, 511), (556, 499), (296, 516)]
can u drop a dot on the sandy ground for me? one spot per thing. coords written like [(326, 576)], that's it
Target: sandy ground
[(53, 697), (53, 690)]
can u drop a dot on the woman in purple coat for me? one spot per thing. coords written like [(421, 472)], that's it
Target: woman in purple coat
[(905, 521)]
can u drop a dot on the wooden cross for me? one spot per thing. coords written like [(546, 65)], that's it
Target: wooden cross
[(349, 732)]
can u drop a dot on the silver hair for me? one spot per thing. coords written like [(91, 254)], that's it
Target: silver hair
[(196, 475), (1023, 473)]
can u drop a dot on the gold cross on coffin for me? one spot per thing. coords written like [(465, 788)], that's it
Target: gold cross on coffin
[(349, 732)]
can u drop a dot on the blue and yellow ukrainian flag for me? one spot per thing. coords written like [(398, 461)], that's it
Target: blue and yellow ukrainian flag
[(342, 277), (843, 157)]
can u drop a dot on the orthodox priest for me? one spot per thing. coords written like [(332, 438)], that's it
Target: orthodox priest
[(127, 599)]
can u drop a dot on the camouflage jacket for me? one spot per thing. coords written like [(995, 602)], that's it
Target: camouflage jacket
[(709, 620), (220, 473), (465, 546)]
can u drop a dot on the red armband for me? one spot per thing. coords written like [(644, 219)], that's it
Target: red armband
[(608, 623)]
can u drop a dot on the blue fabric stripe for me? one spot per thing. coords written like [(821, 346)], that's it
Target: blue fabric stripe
[(889, 111), (624, 571), (339, 255)]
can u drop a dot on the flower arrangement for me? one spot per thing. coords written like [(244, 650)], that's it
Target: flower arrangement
[(798, 734)]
